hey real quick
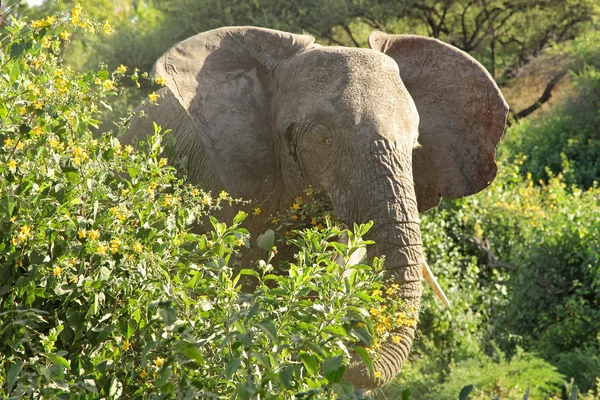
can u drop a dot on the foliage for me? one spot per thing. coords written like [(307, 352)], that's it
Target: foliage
[(502, 379), (581, 366), (564, 141), (106, 290), (516, 243)]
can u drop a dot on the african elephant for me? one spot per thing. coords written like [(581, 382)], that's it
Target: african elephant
[(386, 132)]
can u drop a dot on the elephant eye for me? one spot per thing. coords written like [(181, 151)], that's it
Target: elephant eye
[(321, 135)]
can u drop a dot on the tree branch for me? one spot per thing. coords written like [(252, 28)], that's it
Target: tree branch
[(543, 98), (493, 260), (347, 29)]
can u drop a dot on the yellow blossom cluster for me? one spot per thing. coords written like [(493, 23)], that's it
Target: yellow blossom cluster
[(389, 314), (308, 209), (22, 235), (153, 97), (120, 212)]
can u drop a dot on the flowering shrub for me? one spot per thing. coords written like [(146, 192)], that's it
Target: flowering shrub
[(106, 292)]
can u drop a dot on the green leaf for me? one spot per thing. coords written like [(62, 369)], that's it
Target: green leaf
[(365, 357), (104, 273), (310, 362), (572, 396), (57, 360), (168, 314), (23, 129), (465, 391), (232, 366), (333, 368), (239, 218), (190, 351), (269, 328), (336, 330), (286, 375), (406, 394), (250, 272), (13, 374), (266, 241), (363, 334), (133, 171)]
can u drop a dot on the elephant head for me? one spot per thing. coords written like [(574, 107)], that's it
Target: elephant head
[(386, 131)]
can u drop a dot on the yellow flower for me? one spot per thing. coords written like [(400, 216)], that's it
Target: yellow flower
[(38, 105), (129, 149), (162, 162), (309, 191), (159, 361), (275, 220), (257, 211), (169, 199), (360, 325), (207, 200), (64, 35), (98, 81), (107, 29), (153, 97), (114, 246), (294, 217), (376, 292), (295, 206), (12, 165), (23, 111), (195, 192), (143, 374), (393, 289), (40, 23), (126, 345), (299, 199), (46, 42), (82, 233), (25, 232), (223, 194), (8, 142), (57, 270), (109, 84), (160, 80), (241, 242), (377, 374), (93, 234), (396, 339), (37, 131), (102, 248), (137, 247), (122, 68), (50, 20)]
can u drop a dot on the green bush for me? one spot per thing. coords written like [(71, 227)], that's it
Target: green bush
[(565, 139), (105, 290), (581, 366), (502, 378)]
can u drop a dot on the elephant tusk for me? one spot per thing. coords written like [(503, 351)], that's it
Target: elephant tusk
[(428, 274)]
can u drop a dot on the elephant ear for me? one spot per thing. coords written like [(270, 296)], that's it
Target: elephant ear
[(462, 116), (223, 80)]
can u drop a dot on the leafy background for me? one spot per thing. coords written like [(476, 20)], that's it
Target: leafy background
[(520, 261)]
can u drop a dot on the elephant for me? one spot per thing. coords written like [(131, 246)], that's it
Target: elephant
[(386, 132)]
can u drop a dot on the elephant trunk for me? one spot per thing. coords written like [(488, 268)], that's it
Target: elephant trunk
[(397, 235)]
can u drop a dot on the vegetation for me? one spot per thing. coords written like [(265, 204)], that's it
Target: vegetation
[(104, 293)]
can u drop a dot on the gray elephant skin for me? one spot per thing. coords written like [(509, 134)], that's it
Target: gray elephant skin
[(386, 132)]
